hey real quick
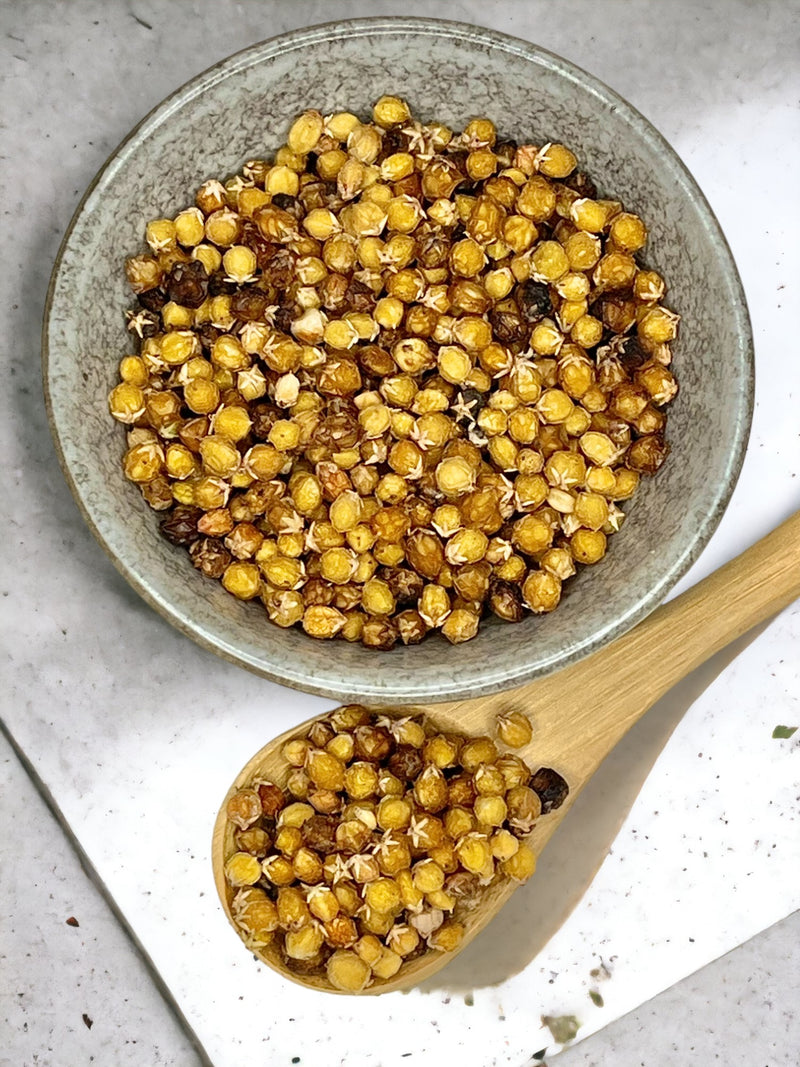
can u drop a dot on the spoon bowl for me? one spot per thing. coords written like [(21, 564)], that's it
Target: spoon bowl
[(578, 715)]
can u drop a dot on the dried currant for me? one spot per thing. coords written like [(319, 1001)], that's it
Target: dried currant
[(249, 305), (406, 762), (187, 284), (393, 141), (359, 297), (632, 355), (376, 361), (508, 328), (208, 333), (284, 317), (210, 556), (505, 152), (253, 238), (152, 299), (218, 285), (319, 833), (279, 268), (468, 405), (533, 299), (273, 799), (264, 417), (406, 585), (581, 183), (550, 787), (180, 526), (288, 203)]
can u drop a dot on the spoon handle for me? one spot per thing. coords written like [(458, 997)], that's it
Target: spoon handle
[(687, 631), (581, 712)]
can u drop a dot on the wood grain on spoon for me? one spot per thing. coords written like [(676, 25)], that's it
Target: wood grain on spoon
[(579, 713)]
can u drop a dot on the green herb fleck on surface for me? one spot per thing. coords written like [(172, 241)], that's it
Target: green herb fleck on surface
[(469, 1000), (563, 1027), (783, 733), (596, 998)]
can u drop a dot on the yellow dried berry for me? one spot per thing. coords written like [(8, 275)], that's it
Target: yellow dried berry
[(348, 971), (242, 869)]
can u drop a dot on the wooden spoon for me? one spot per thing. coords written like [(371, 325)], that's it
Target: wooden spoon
[(578, 714)]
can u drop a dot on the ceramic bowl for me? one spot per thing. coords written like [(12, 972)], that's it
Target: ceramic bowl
[(242, 108)]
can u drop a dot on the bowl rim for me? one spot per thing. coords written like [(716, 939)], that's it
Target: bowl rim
[(286, 673)]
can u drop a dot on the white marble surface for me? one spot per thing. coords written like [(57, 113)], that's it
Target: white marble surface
[(741, 1003), (73, 986), (138, 732)]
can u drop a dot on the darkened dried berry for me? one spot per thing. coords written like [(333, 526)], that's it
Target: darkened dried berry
[(187, 284), (617, 429), (152, 299), (313, 194), (146, 326), (249, 304), (505, 600), (550, 787), (286, 203), (257, 242), (388, 338), (582, 184), (632, 355), (505, 152), (533, 299), (647, 453), (180, 526), (393, 141), (208, 333), (158, 493), (359, 297), (457, 157), (210, 556), (284, 317), (337, 431), (373, 743), (273, 799), (279, 269), (319, 832), (508, 328), (331, 197), (406, 585), (467, 406), (406, 762), (432, 250), (376, 361), (411, 185), (470, 186), (219, 286)]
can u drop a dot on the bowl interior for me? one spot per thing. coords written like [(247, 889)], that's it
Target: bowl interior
[(241, 109)]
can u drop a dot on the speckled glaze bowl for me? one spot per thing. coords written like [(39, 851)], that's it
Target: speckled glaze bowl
[(242, 108)]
